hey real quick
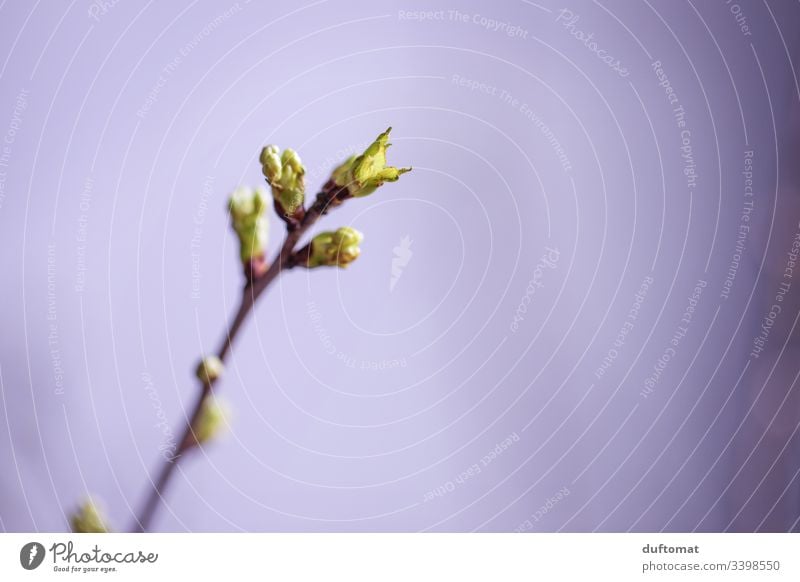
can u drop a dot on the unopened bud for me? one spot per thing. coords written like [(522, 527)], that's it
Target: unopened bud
[(364, 174), (335, 249), (268, 150), (247, 208), (88, 519), (286, 176), (211, 420), (210, 369), (271, 167)]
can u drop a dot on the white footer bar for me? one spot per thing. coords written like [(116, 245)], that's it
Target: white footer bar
[(400, 557)]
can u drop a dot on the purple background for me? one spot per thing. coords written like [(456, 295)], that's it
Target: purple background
[(126, 125)]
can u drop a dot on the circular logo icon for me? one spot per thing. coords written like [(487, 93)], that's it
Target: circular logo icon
[(31, 555)]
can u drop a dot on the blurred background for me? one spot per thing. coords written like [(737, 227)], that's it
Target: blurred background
[(577, 313)]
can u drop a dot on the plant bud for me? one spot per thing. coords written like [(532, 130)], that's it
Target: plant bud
[(364, 174), (334, 249), (286, 176), (291, 159), (247, 216), (88, 519), (211, 420), (271, 167), (268, 150), (210, 369)]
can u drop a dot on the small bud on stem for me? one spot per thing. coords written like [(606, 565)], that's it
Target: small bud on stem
[(286, 176), (364, 174), (247, 207), (209, 423), (88, 519), (209, 369), (331, 249)]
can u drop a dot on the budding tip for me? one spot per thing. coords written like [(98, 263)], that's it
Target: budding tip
[(212, 419), (88, 518), (209, 369)]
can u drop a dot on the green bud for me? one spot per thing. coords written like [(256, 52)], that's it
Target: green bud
[(271, 166), (364, 174), (268, 150), (88, 519), (247, 215), (209, 369), (342, 174), (211, 420), (291, 159), (286, 176), (335, 249)]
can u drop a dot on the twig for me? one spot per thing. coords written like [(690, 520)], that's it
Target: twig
[(330, 196)]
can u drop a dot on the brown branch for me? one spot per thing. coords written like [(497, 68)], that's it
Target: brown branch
[(330, 197)]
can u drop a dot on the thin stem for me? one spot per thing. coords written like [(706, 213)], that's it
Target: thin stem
[(330, 196), (149, 509)]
